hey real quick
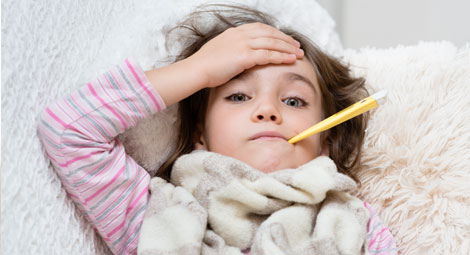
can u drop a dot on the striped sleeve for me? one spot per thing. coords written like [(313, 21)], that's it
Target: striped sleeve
[(379, 238), (78, 134)]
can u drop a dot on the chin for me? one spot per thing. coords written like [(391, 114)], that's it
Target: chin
[(271, 165), (268, 161)]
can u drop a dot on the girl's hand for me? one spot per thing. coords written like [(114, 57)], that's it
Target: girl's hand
[(241, 48), (222, 58)]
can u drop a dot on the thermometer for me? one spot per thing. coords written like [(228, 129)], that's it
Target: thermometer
[(350, 112)]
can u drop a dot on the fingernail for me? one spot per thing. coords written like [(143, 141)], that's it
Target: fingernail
[(301, 51), (297, 43)]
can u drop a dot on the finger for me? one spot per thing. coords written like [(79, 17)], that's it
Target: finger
[(275, 45), (256, 30), (264, 57)]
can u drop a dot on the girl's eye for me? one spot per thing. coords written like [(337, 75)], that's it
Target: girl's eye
[(294, 102), (238, 97)]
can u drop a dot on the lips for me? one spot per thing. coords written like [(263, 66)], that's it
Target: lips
[(268, 135)]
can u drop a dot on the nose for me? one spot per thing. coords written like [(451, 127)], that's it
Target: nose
[(267, 111)]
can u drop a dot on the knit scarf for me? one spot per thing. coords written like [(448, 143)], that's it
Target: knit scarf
[(218, 205)]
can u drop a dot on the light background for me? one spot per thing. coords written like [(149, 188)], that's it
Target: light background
[(387, 23)]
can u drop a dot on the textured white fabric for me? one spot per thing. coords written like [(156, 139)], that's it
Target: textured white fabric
[(49, 48), (305, 210), (417, 151)]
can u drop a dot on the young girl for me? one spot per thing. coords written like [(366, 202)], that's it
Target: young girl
[(244, 88)]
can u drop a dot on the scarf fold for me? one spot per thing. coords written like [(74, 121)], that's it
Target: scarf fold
[(218, 205)]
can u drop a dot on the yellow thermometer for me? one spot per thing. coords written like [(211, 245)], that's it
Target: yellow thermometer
[(348, 113)]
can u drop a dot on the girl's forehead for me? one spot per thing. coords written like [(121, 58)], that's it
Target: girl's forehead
[(302, 70), (301, 66)]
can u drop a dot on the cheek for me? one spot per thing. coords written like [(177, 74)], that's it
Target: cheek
[(221, 126), (311, 144), (301, 122), (308, 149)]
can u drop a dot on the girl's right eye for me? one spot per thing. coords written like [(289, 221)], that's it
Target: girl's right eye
[(238, 97)]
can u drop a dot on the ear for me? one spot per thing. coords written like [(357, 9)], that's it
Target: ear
[(199, 139)]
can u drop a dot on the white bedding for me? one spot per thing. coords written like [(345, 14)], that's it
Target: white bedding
[(416, 155)]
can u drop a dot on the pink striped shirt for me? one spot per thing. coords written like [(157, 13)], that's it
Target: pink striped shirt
[(109, 187)]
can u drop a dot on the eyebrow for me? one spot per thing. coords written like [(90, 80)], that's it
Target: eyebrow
[(290, 76)]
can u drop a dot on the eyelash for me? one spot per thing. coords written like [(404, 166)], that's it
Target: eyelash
[(232, 97)]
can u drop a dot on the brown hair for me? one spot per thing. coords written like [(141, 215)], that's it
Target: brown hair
[(339, 89)]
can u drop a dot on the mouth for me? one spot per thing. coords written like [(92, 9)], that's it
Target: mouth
[(268, 135)]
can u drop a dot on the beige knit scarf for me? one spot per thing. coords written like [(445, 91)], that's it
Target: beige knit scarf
[(220, 205)]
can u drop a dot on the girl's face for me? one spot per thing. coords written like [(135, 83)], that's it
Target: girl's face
[(252, 116)]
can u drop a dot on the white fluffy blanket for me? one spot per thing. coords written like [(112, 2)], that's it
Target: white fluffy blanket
[(417, 164)]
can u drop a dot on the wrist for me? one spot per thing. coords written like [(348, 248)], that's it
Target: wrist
[(177, 81), (196, 72)]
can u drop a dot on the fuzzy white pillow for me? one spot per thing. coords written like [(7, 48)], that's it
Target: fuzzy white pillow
[(416, 155)]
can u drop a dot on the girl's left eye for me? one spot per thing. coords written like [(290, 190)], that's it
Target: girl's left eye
[(294, 102)]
